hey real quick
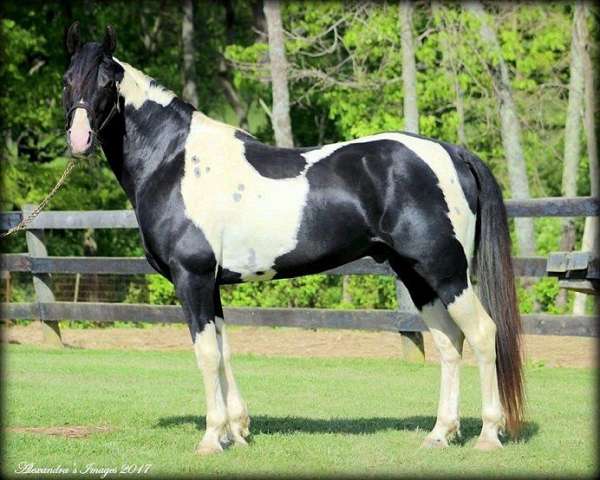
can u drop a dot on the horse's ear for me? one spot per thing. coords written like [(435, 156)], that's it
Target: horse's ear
[(110, 40), (72, 40)]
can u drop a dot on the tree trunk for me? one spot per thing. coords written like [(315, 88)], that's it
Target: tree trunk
[(591, 232), (151, 35), (572, 147), (459, 102), (259, 22), (346, 295), (409, 69), (449, 62), (224, 77), (280, 112), (90, 249), (190, 92), (510, 127)]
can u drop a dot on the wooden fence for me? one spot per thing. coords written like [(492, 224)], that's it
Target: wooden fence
[(404, 320)]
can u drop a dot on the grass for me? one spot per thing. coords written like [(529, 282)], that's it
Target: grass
[(309, 416)]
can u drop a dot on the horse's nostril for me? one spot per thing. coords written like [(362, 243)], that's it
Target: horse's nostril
[(89, 137)]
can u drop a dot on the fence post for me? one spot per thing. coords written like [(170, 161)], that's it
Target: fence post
[(413, 348), (42, 283)]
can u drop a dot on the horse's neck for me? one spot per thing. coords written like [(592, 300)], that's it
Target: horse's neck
[(139, 139)]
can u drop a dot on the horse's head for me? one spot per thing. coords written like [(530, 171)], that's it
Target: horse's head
[(90, 95)]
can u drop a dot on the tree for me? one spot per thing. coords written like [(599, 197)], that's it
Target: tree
[(510, 126), (224, 76), (190, 92), (280, 112), (591, 232), (409, 69), (572, 145), (448, 36)]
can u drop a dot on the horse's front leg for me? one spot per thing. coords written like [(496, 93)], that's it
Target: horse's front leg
[(196, 292), (237, 413)]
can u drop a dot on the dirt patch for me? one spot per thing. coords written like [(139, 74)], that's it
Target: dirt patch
[(552, 351), (67, 432)]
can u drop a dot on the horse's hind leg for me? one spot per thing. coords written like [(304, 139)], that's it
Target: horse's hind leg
[(480, 330), (454, 289), (448, 339)]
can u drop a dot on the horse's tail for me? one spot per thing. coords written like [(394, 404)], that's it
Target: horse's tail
[(495, 278)]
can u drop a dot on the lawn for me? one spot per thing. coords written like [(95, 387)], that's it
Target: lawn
[(309, 416)]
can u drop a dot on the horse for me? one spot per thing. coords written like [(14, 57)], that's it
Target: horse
[(216, 206)]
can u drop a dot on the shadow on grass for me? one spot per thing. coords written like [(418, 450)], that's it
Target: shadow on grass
[(263, 424)]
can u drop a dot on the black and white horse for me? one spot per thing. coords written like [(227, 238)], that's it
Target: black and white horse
[(215, 206)]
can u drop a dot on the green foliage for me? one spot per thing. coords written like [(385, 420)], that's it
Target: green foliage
[(314, 291), (345, 81), (161, 291)]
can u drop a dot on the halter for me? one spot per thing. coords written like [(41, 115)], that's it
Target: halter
[(92, 116)]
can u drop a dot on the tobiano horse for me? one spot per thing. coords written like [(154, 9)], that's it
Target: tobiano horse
[(215, 206)]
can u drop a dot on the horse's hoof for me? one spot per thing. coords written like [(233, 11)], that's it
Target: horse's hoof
[(240, 427), (434, 442), (239, 441), (487, 445), (205, 449)]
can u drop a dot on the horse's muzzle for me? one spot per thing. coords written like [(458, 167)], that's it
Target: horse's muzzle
[(80, 135)]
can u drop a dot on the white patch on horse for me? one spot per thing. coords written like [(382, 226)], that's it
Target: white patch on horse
[(448, 339), (80, 130), (237, 414), (80, 119), (208, 357), (438, 159), (248, 220), (136, 88)]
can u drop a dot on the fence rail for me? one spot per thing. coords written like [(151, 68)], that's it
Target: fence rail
[(24, 262), (378, 320), (402, 320)]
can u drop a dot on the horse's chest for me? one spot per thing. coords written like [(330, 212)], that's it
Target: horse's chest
[(249, 220)]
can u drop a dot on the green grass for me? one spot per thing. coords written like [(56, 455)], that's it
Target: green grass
[(309, 416)]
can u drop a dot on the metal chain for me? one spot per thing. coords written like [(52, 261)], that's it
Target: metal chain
[(36, 211)]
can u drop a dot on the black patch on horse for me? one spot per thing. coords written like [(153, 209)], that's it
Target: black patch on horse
[(272, 162), (396, 201)]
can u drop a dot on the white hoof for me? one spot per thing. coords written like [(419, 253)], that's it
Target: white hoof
[(434, 442), (209, 446), (240, 427), (240, 442), (487, 445)]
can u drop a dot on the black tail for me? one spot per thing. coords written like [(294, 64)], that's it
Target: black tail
[(495, 278)]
